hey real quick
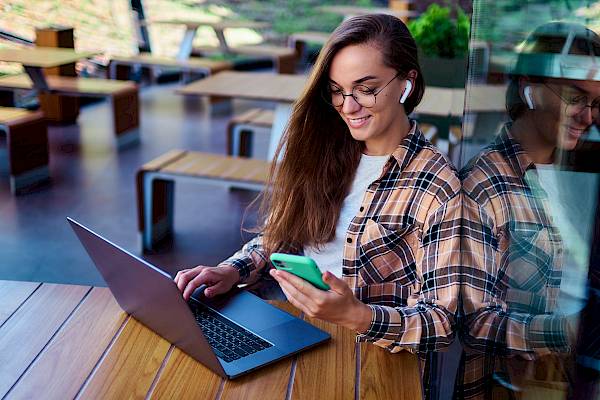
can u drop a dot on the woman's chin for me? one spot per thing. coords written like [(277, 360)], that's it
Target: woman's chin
[(359, 134)]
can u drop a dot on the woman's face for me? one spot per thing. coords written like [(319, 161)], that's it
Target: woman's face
[(378, 124), (561, 111)]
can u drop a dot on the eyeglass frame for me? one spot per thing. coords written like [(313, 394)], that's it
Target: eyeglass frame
[(584, 106), (344, 95)]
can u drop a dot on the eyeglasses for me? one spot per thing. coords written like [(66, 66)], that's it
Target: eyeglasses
[(578, 102), (363, 95)]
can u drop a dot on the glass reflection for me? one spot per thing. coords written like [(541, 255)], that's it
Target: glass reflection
[(528, 224)]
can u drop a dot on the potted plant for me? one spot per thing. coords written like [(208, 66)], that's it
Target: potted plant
[(443, 42)]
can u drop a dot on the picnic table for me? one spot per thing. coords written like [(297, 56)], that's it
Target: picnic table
[(34, 60), (185, 49), (122, 95), (68, 341), (280, 88)]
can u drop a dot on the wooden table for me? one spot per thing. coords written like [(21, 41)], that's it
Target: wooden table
[(37, 58), (280, 88), (65, 341), (185, 50)]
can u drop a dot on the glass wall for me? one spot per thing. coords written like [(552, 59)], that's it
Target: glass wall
[(529, 164)]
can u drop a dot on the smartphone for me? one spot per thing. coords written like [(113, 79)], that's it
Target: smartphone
[(304, 267)]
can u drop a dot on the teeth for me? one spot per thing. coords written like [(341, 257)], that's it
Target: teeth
[(358, 119)]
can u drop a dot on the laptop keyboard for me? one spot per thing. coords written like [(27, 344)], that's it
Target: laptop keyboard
[(229, 340)]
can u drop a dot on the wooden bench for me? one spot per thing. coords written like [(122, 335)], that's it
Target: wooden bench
[(122, 94), (156, 183), (200, 65), (284, 58), (26, 147), (242, 128)]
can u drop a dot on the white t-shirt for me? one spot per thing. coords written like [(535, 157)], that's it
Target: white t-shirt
[(329, 257), (572, 203)]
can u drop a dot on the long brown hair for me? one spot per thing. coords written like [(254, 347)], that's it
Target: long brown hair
[(305, 191)]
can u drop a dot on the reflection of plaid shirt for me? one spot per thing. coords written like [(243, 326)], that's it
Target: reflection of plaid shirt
[(512, 257), (401, 249)]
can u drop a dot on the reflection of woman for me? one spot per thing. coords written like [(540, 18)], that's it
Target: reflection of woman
[(513, 252), (361, 190)]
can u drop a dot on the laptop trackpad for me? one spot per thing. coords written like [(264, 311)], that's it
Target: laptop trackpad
[(251, 312), (294, 335)]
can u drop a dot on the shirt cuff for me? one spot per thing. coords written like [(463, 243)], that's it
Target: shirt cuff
[(243, 267), (378, 327)]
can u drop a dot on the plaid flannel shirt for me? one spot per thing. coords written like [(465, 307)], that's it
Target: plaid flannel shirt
[(512, 259), (401, 250)]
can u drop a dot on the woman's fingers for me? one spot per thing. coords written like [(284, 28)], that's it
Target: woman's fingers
[(179, 274), (195, 282), (184, 277), (298, 292)]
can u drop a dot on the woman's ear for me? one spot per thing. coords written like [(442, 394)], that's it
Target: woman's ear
[(408, 86), (526, 92), (528, 97), (407, 91)]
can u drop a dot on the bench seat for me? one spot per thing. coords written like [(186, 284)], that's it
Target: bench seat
[(123, 95), (156, 183), (283, 57), (204, 66), (242, 128), (26, 147)]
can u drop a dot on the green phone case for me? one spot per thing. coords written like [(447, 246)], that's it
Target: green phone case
[(304, 267)]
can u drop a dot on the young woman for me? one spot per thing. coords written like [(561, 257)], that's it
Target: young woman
[(360, 190)]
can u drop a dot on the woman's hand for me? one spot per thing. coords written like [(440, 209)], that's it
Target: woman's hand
[(337, 305), (218, 279)]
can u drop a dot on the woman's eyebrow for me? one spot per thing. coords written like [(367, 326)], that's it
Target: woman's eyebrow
[(584, 93), (361, 80), (366, 78), (578, 89)]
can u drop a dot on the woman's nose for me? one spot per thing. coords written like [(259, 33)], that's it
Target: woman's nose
[(586, 116), (350, 105)]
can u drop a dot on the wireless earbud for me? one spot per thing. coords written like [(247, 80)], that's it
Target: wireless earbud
[(528, 98), (406, 92)]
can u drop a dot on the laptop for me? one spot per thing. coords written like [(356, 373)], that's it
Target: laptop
[(231, 334)]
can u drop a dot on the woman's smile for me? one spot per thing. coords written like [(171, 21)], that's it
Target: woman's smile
[(358, 122)]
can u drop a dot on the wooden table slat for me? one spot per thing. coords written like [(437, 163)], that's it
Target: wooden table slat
[(43, 56), (385, 375), (26, 333), (221, 25), (63, 367), (333, 365), (130, 365), (185, 378), (12, 295), (267, 383), (248, 85), (70, 84)]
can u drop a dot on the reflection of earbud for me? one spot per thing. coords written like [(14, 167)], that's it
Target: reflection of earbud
[(528, 98), (406, 92)]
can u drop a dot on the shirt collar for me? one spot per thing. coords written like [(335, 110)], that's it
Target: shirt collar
[(410, 146), (512, 151)]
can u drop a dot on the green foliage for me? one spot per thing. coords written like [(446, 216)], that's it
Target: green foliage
[(438, 34)]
